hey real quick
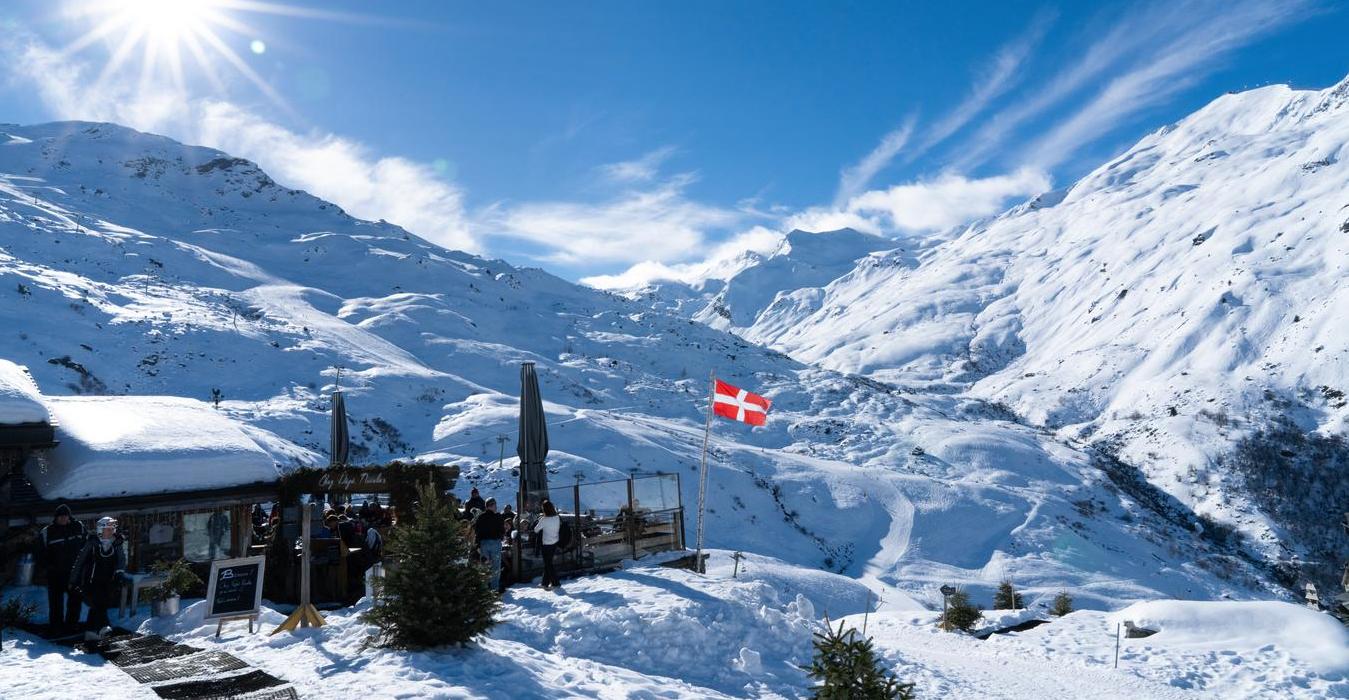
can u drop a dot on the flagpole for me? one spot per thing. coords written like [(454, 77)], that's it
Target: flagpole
[(702, 474)]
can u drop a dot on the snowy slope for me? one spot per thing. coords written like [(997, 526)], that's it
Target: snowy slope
[(651, 632), (133, 264), (803, 261), (1183, 305)]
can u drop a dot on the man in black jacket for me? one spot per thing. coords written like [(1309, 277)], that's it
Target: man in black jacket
[(473, 503), (489, 529), (58, 547)]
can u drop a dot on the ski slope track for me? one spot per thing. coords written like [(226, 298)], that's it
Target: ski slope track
[(132, 264)]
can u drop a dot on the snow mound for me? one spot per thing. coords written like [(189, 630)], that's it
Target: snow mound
[(1315, 639), (1205, 650), (133, 445), (642, 632), (20, 401)]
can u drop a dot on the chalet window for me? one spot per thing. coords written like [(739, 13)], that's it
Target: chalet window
[(206, 536), (159, 542)]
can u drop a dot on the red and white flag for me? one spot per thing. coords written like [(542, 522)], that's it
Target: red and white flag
[(737, 404)]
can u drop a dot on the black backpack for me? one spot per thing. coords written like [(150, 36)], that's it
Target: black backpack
[(564, 536)]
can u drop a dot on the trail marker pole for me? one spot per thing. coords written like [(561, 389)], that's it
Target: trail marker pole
[(1116, 645), (867, 615), (946, 591), (702, 474)]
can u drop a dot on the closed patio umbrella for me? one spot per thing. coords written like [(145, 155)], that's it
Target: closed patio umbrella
[(340, 445), (533, 445)]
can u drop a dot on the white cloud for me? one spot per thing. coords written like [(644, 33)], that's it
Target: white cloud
[(820, 219), (855, 178), (644, 169), (922, 206), (1125, 38), (721, 262), (657, 223), (398, 190), (343, 171), (995, 80), (1193, 38), (946, 201)]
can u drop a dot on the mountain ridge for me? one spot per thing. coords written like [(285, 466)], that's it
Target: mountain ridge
[(141, 266)]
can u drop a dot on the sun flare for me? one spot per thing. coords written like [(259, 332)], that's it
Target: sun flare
[(165, 20), (161, 32)]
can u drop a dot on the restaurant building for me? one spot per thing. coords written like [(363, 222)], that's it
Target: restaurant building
[(179, 476)]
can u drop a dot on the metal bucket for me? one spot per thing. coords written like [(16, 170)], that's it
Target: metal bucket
[(165, 608), (23, 573)]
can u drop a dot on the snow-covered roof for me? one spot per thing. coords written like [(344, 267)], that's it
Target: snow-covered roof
[(20, 401), (136, 445)]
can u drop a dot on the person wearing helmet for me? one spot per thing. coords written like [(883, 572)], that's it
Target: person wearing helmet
[(98, 573), (58, 547)]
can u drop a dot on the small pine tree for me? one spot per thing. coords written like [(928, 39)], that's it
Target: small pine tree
[(961, 614), (1063, 604), (434, 594), (1007, 598), (846, 668), (15, 612)]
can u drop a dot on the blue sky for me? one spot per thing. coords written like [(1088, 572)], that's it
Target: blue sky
[(591, 137)]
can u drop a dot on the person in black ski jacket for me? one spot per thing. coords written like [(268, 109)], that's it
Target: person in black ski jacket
[(473, 503), (489, 529), (58, 547), (99, 571)]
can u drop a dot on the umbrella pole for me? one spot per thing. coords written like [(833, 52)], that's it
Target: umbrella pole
[(702, 475)]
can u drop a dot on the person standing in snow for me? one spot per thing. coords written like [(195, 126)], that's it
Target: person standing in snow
[(374, 545), (549, 528), (99, 571), (490, 528), (58, 547), (474, 502)]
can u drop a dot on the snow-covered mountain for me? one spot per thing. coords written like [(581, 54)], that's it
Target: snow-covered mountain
[(1182, 305), (133, 264)]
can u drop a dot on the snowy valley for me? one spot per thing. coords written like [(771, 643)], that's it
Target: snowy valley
[(1180, 307), (1080, 394)]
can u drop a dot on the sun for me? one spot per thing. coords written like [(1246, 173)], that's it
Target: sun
[(165, 34), (167, 20)]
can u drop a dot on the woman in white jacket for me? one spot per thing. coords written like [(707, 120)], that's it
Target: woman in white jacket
[(549, 528)]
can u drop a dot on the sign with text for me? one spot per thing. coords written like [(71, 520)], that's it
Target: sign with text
[(235, 587), (353, 480)]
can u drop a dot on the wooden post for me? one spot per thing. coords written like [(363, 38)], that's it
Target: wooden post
[(683, 539), (632, 519), (306, 615), (576, 522)]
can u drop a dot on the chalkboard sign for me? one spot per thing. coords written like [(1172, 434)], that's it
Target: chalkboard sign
[(235, 588)]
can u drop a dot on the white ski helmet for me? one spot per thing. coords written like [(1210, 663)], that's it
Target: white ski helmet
[(106, 522)]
